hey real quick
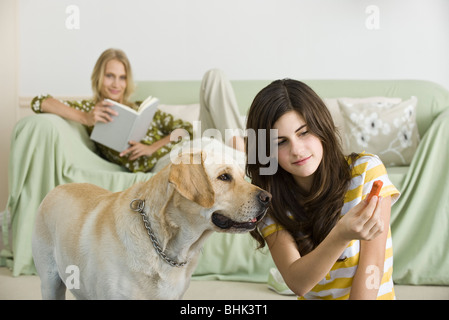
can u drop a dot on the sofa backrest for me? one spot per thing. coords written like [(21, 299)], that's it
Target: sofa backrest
[(432, 98)]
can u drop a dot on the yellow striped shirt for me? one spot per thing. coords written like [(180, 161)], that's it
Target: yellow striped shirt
[(336, 285)]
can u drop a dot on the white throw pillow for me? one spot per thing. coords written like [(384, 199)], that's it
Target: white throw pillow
[(188, 112), (387, 130), (334, 109)]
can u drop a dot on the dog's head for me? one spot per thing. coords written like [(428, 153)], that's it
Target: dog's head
[(228, 202)]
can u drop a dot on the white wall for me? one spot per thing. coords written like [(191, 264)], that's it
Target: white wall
[(249, 39), (180, 39)]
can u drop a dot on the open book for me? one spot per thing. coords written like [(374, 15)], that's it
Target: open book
[(128, 125)]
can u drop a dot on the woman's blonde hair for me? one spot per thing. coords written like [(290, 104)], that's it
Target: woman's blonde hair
[(98, 74)]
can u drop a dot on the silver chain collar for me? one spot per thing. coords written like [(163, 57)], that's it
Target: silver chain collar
[(138, 205)]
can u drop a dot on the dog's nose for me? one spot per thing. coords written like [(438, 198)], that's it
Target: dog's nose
[(264, 197)]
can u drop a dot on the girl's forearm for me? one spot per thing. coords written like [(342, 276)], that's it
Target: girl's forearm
[(370, 270), (313, 267), (304, 273), (366, 282)]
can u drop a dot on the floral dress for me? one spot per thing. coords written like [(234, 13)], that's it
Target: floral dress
[(163, 124)]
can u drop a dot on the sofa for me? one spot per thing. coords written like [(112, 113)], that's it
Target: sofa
[(47, 150)]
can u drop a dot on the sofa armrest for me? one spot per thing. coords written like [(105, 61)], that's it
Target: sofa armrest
[(46, 151), (420, 218)]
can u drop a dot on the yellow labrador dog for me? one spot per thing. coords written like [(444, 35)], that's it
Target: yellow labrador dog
[(144, 242)]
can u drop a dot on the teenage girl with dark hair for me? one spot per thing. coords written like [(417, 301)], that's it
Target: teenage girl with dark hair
[(327, 241)]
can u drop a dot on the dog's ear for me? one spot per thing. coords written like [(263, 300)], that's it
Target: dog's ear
[(190, 179)]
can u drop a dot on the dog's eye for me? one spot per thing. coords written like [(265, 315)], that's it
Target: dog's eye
[(225, 177)]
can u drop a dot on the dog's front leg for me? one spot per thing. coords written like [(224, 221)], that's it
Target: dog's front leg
[(52, 287)]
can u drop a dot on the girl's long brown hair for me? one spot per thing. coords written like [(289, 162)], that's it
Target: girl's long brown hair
[(313, 213)]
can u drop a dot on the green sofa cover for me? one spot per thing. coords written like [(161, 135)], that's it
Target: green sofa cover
[(47, 150)]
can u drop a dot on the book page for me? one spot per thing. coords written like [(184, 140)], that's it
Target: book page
[(146, 103), (115, 134), (128, 125), (144, 120)]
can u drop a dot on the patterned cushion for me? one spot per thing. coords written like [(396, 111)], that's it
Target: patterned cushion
[(388, 130)]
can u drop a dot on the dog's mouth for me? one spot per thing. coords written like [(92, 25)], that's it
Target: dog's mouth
[(226, 223)]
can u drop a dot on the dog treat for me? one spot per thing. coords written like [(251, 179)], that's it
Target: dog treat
[(375, 190)]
